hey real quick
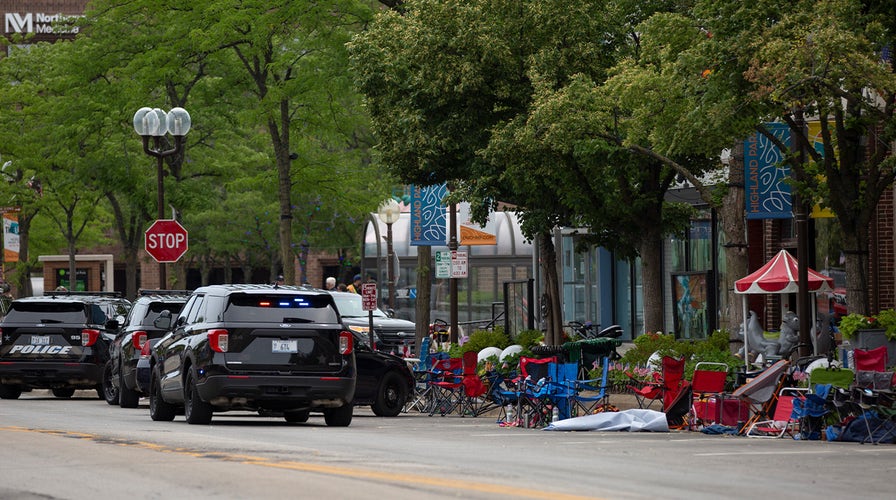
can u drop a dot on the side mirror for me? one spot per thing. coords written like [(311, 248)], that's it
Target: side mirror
[(390, 312), (163, 322)]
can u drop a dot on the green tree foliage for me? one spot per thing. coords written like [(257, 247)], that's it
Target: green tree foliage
[(502, 98)]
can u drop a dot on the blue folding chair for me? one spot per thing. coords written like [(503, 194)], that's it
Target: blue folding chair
[(587, 395)]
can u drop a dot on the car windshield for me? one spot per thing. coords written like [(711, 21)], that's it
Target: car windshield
[(349, 305), (48, 312), (279, 308), (157, 307)]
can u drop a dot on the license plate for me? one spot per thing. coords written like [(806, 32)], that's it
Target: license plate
[(40, 340), (290, 346)]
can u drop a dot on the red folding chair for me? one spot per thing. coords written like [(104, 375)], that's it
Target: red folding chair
[(783, 421), (667, 385), (871, 360), (708, 388), (447, 386)]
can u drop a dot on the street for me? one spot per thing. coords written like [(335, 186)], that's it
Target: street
[(85, 449)]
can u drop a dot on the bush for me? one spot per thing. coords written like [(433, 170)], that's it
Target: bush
[(480, 339), (529, 338)]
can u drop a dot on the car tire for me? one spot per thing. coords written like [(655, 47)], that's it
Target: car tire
[(297, 417), (391, 395), (110, 392), (63, 393), (8, 391), (159, 409), (196, 410), (127, 398), (339, 417)]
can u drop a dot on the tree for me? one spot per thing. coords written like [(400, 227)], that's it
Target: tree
[(471, 92)]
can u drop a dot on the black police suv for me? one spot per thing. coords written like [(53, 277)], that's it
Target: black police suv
[(59, 341), (119, 377), (266, 348)]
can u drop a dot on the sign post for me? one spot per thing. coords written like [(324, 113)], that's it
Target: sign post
[(368, 303)]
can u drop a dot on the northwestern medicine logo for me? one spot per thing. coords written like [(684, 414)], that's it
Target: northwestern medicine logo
[(37, 22)]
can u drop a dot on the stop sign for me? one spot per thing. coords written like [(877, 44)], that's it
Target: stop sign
[(166, 240)]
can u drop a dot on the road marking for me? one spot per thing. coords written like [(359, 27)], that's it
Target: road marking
[(332, 470)]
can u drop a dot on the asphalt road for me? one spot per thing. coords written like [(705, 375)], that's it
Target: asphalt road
[(84, 449)]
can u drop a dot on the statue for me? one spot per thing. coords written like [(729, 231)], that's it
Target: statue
[(755, 340), (790, 333)]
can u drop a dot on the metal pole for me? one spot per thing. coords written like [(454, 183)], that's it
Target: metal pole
[(390, 266), (452, 245), (160, 172), (801, 217)]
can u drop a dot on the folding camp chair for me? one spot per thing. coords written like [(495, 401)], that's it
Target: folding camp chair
[(446, 385), (873, 360), (500, 395), (784, 420), (585, 396), (666, 386), (760, 393), (471, 397), (533, 388), (708, 388), (424, 375), (564, 389)]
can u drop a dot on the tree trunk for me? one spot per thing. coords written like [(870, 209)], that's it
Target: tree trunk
[(651, 252), (731, 217), (280, 137), (856, 249), (424, 295), (553, 311), (21, 278)]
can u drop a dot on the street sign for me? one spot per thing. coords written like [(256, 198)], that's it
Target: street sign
[(368, 296), (458, 264), (443, 264), (166, 240)]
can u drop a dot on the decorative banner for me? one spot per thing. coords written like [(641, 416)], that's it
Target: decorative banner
[(428, 216), (767, 193), (10, 237), (473, 236)]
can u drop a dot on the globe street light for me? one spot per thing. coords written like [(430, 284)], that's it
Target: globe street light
[(156, 123), (389, 212)]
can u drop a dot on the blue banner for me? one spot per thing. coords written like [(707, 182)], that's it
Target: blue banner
[(428, 216), (767, 193)]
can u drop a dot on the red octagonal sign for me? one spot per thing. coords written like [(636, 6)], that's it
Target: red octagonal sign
[(166, 240)]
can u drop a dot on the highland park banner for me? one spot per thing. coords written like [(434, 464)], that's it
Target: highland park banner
[(767, 193), (428, 216)]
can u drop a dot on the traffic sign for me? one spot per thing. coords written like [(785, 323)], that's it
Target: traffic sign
[(368, 296), (166, 240), (458, 264), (443, 264)]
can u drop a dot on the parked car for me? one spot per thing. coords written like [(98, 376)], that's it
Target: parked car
[(254, 347), (58, 341), (119, 377), (384, 381), (391, 335)]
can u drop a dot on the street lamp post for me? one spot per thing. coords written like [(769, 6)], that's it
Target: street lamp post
[(389, 212), (156, 123)]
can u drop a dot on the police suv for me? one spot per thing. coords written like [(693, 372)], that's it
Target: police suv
[(59, 341)]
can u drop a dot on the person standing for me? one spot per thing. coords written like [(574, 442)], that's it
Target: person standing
[(355, 285), (331, 283)]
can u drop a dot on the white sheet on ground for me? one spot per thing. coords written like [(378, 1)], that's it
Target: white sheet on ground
[(627, 420)]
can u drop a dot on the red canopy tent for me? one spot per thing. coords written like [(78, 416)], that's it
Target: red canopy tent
[(779, 275)]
